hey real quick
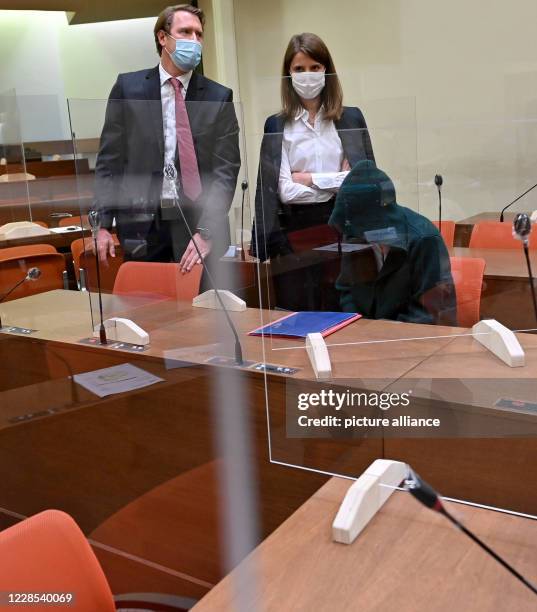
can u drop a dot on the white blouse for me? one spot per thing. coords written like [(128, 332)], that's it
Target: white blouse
[(310, 148)]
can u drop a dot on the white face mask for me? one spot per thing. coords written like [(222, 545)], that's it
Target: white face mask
[(308, 85)]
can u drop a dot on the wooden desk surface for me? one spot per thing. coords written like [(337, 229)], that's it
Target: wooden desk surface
[(92, 457), (179, 331), (62, 241), (503, 264), (407, 559)]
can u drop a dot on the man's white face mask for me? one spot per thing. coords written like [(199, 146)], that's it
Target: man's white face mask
[(308, 85)]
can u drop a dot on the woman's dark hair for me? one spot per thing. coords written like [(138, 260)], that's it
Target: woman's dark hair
[(331, 95)]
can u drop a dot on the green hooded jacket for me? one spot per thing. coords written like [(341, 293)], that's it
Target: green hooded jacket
[(406, 274)]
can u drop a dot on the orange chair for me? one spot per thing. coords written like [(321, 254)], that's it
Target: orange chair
[(80, 220), (160, 280), (84, 258), (24, 251), (467, 275), (12, 270), (448, 231), (41, 223), (496, 235), (48, 553)]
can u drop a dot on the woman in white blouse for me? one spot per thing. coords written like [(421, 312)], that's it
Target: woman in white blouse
[(306, 152)]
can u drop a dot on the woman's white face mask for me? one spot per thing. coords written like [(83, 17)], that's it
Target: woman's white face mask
[(308, 85)]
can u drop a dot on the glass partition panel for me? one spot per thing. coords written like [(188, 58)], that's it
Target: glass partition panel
[(14, 191), (158, 449), (402, 372)]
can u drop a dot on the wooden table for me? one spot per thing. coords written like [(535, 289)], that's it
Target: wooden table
[(464, 227), (408, 559), (98, 459), (506, 294)]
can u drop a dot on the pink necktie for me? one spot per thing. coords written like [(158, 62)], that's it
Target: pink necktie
[(190, 176)]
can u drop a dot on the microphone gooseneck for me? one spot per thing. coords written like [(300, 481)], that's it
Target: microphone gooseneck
[(522, 231), (238, 348), (244, 188), (438, 181), (516, 200), (425, 494), (94, 221), (32, 275)]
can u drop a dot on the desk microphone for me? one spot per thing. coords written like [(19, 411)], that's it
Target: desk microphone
[(438, 181), (516, 200), (244, 187), (94, 221), (425, 494), (522, 231), (32, 275), (238, 349)]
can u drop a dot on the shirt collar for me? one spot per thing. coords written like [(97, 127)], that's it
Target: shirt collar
[(165, 76), (303, 114)]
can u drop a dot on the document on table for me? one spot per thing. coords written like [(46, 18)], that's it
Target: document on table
[(346, 247), (117, 379)]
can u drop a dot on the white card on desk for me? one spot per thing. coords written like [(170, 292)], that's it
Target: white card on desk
[(117, 379), (66, 229), (346, 247)]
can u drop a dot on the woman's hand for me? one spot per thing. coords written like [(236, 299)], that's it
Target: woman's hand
[(345, 166), (304, 178)]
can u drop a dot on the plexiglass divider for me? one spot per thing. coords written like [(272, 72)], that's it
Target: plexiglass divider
[(408, 373)]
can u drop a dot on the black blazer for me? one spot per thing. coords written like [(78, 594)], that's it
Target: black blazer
[(268, 235), (129, 167)]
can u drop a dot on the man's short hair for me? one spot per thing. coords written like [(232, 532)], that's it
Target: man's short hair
[(165, 19)]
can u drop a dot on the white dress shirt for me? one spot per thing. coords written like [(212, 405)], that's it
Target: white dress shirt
[(310, 148), (167, 95)]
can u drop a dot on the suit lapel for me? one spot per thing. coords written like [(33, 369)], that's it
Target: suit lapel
[(194, 102), (152, 94), (351, 139)]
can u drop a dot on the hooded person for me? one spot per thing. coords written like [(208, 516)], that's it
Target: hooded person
[(400, 269)]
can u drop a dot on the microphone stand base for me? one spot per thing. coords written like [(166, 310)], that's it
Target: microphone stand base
[(230, 362)]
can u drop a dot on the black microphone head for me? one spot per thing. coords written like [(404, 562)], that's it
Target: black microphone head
[(94, 219), (438, 180), (522, 226), (422, 491), (33, 274), (244, 185)]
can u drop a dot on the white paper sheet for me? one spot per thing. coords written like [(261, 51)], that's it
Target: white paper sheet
[(117, 379)]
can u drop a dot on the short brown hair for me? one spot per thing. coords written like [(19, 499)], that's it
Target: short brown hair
[(165, 19), (332, 94)]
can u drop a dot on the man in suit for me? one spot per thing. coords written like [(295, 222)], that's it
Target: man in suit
[(169, 153)]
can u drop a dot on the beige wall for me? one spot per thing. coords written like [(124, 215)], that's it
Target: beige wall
[(447, 87)]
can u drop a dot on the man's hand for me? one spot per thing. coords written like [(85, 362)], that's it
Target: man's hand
[(304, 178), (345, 166), (105, 245), (190, 256)]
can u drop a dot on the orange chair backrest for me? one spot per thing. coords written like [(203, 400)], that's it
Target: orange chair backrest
[(467, 275), (26, 250), (161, 280), (448, 231), (496, 235), (13, 270), (81, 220), (47, 553), (83, 257)]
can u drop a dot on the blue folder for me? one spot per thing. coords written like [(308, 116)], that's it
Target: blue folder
[(300, 324)]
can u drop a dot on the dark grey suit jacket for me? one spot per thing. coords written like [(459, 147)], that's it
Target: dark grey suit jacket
[(130, 162)]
